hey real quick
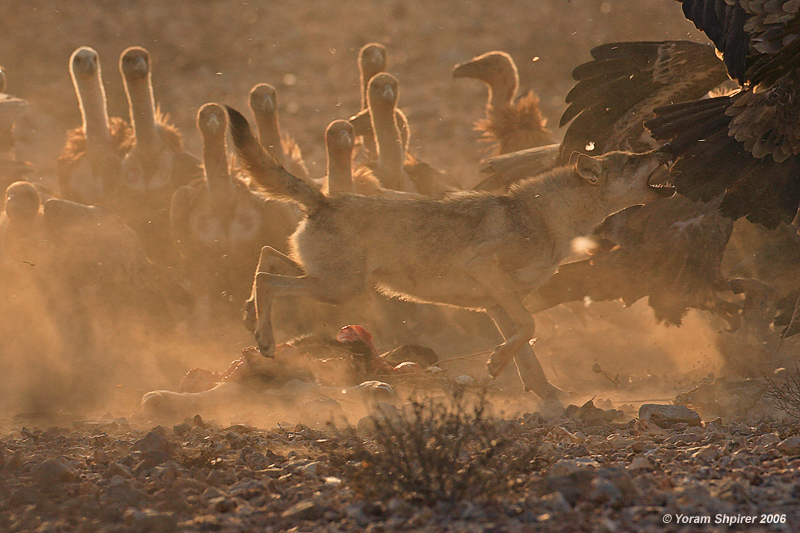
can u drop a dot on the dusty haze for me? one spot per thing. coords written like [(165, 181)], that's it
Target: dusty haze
[(216, 51)]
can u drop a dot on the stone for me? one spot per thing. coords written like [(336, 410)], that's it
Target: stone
[(666, 416), (767, 439), (52, 472), (790, 446), (181, 429), (567, 466), (150, 521), (640, 463), (707, 453), (99, 456), (118, 469), (121, 492), (223, 504), (152, 442), (594, 416), (619, 442), (556, 502), (603, 491), (305, 510), (314, 468)]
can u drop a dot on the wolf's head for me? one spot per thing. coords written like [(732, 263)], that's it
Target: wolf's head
[(623, 178)]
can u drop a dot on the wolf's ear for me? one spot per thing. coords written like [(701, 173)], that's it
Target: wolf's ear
[(590, 169)]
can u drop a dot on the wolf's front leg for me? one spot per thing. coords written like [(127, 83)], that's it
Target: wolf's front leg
[(528, 366)]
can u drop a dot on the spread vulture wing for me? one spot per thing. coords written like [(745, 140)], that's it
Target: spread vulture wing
[(624, 83), (744, 145)]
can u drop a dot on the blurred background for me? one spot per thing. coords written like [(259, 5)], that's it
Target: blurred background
[(215, 51)]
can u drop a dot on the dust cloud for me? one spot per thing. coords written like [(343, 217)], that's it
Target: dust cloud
[(96, 355)]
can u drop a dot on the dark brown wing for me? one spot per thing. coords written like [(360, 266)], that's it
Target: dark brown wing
[(620, 87), (745, 145), (724, 23)]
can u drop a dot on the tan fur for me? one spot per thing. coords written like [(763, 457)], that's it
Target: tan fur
[(481, 251)]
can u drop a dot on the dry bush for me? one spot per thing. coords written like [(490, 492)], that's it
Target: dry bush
[(785, 391), (441, 451)]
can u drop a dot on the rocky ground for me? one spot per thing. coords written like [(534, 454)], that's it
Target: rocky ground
[(587, 469)]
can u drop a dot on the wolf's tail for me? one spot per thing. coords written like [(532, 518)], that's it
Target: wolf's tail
[(267, 172)]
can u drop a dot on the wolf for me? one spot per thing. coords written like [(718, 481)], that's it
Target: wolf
[(482, 251)]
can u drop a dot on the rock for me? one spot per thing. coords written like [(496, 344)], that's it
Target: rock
[(571, 487), (212, 493), (143, 466), (122, 493), (414, 353), (547, 449), (603, 491), (567, 466), (400, 507), (707, 453), (373, 391), (767, 439), (356, 513), (642, 446), (556, 502), (315, 468), (594, 416), (52, 472), (305, 510), (790, 446), (118, 469), (150, 521), (13, 464), (561, 434), (666, 416), (189, 484), (222, 476), (152, 442), (640, 463), (236, 441), (619, 441), (181, 429), (99, 456), (464, 379), (274, 473), (366, 426), (247, 489), (223, 504)]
